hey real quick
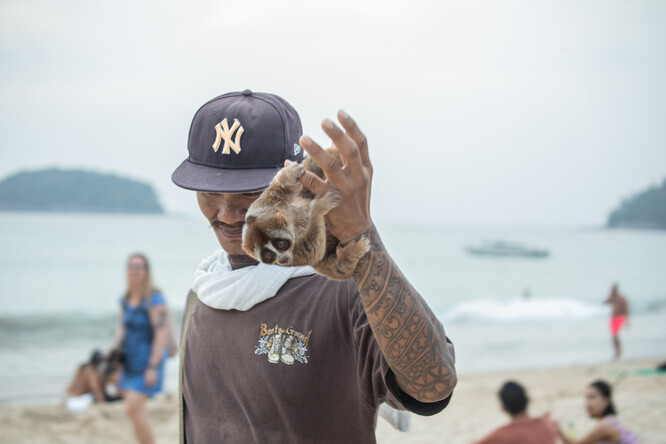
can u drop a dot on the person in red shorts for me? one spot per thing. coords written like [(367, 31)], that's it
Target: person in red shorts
[(619, 316)]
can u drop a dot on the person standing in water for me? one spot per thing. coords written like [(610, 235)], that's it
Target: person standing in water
[(619, 316)]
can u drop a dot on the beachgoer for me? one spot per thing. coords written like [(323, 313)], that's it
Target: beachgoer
[(142, 335), (280, 354), (619, 317), (89, 379), (90, 382), (522, 429), (599, 404)]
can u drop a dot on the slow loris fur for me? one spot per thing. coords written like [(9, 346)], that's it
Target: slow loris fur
[(285, 226)]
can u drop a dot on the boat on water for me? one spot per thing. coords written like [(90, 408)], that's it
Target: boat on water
[(505, 248)]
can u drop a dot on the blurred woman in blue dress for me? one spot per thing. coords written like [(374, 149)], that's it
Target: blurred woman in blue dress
[(142, 337)]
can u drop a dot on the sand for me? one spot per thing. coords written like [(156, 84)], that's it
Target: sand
[(474, 410)]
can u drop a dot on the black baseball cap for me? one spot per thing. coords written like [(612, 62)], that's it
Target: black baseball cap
[(238, 142)]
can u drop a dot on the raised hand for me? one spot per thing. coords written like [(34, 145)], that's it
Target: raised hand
[(351, 178)]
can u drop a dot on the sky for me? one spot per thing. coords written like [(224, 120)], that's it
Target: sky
[(542, 113)]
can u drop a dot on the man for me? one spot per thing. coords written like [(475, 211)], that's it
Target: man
[(280, 354), (522, 429), (619, 316)]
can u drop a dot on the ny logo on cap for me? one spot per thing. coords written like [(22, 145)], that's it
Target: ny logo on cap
[(223, 132)]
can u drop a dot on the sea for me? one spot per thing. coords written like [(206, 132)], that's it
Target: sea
[(62, 275)]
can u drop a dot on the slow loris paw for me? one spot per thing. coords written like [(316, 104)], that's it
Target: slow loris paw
[(353, 251), (342, 264), (289, 175), (325, 203)]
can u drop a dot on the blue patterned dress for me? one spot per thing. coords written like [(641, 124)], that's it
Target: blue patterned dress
[(137, 346)]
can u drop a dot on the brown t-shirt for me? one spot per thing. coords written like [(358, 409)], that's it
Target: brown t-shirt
[(300, 367), (523, 431)]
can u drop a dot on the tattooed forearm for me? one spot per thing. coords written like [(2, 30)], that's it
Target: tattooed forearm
[(410, 336)]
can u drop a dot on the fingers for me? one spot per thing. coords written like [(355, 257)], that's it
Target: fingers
[(356, 135), (350, 142), (329, 164), (344, 143)]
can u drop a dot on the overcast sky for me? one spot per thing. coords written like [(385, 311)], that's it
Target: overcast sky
[(537, 113)]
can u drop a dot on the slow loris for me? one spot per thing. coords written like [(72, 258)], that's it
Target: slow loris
[(285, 226)]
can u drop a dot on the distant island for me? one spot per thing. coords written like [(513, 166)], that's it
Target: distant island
[(76, 191), (643, 210)]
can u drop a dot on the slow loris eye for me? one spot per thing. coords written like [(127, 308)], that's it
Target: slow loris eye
[(267, 256), (281, 244)]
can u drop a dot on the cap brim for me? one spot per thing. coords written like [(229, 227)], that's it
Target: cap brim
[(219, 180)]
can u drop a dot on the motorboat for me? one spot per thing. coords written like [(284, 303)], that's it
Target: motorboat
[(505, 248)]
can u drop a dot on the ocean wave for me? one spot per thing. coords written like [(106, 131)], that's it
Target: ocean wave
[(71, 320), (523, 310), (59, 326)]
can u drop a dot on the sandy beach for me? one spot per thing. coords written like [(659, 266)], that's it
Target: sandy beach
[(640, 397)]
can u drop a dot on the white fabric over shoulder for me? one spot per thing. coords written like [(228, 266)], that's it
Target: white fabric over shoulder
[(220, 287)]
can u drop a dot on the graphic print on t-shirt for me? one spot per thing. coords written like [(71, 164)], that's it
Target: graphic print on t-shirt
[(282, 344)]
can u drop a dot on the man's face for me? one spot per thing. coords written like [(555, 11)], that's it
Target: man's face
[(226, 214)]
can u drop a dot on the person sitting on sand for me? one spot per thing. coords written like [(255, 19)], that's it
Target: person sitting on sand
[(522, 429), (87, 378), (608, 429), (89, 383)]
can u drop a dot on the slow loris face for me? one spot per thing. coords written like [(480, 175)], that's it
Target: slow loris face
[(273, 242)]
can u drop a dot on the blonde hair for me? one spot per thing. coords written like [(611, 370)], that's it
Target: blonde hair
[(148, 288)]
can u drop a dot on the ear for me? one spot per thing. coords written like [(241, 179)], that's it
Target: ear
[(250, 220)]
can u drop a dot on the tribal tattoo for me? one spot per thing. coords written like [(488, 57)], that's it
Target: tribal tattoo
[(411, 337)]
